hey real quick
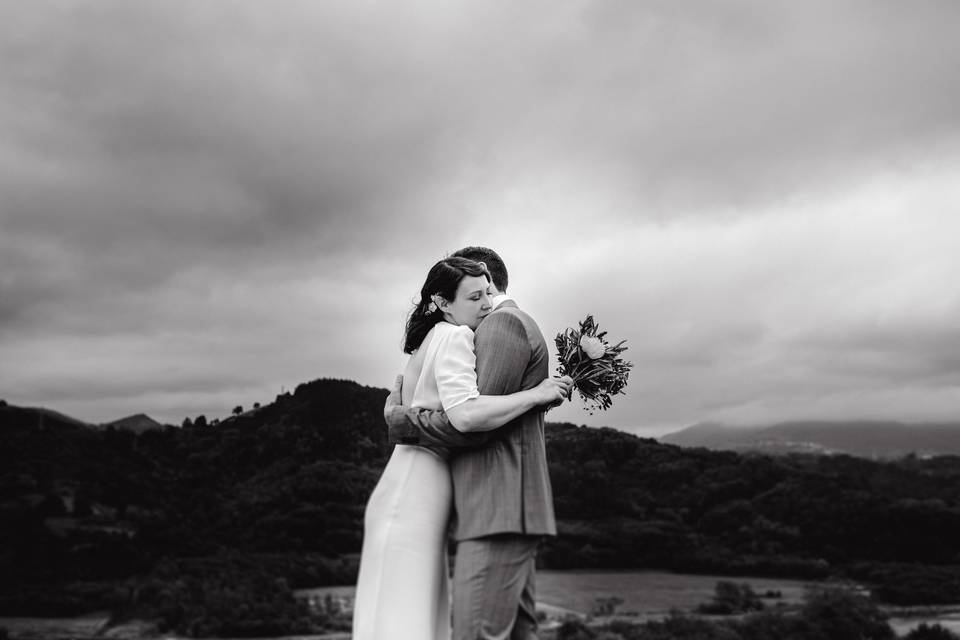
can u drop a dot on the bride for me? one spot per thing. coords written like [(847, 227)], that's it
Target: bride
[(402, 588)]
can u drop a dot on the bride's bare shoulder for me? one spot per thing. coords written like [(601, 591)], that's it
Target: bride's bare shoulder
[(422, 349)]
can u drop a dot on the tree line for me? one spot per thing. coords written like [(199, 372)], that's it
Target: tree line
[(88, 517)]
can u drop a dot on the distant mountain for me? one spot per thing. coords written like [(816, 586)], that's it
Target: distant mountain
[(137, 423), (712, 435), (872, 439), (39, 417)]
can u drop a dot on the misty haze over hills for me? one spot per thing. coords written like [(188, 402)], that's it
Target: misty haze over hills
[(866, 438)]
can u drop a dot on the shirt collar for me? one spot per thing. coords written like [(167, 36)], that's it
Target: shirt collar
[(500, 299)]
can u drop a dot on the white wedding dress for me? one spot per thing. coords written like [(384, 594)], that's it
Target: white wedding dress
[(403, 585)]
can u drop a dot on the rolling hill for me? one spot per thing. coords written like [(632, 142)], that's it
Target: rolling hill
[(137, 423), (279, 493)]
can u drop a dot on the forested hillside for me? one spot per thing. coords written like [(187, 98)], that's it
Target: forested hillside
[(92, 518)]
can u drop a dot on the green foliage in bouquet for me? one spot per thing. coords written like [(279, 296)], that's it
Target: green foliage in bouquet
[(597, 368)]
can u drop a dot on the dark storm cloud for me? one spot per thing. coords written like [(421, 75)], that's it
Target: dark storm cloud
[(191, 183), (908, 353), (146, 149)]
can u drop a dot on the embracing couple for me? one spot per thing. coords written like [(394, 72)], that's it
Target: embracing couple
[(467, 417)]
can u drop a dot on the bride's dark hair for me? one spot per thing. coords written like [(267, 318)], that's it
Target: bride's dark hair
[(442, 280)]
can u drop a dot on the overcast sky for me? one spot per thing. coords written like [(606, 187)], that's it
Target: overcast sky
[(204, 203)]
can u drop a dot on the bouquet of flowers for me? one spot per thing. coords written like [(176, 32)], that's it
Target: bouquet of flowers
[(597, 369)]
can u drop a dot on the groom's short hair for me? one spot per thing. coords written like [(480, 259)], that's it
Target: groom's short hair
[(498, 270)]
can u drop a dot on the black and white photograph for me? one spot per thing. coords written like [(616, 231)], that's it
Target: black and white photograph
[(586, 320)]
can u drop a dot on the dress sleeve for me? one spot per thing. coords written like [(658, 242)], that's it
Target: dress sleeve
[(455, 368)]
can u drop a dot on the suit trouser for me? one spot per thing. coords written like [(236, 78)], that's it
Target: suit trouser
[(494, 588)]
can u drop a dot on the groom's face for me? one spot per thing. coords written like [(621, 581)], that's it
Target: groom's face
[(471, 304)]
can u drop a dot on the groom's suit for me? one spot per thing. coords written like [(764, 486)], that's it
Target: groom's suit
[(503, 501)]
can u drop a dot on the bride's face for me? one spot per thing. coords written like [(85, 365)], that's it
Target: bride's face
[(471, 304)]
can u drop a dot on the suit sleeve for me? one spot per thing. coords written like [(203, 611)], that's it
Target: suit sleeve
[(503, 352)]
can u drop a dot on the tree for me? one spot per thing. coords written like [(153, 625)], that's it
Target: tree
[(256, 405), (575, 630), (842, 615), (201, 421), (606, 606), (730, 598), (187, 423), (931, 632), (237, 410)]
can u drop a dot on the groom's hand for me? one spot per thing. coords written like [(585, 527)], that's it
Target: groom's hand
[(399, 429), (394, 399)]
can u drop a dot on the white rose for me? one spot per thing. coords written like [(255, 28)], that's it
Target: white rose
[(593, 347)]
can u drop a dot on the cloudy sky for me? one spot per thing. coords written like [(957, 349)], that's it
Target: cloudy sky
[(205, 203)]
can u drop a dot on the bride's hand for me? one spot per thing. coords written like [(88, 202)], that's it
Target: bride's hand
[(553, 391)]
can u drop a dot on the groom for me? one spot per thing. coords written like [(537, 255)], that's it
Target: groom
[(502, 497)]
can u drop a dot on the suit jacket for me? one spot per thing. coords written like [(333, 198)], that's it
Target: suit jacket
[(501, 483)]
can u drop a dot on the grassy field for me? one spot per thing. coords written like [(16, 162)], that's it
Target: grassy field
[(645, 594), (649, 593), (45, 628)]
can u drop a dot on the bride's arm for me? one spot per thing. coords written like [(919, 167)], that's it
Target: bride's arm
[(456, 374), (485, 413), (408, 425), (471, 417)]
